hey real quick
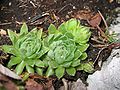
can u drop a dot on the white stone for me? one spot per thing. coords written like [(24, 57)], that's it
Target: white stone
[(108, 78)]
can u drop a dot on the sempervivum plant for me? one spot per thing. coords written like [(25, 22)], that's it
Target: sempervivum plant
[(81, 33), (67, 46), (26, 49), (64, 55), (73, 29)]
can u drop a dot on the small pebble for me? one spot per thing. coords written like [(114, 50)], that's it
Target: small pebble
[(2, 32), (10, 3)]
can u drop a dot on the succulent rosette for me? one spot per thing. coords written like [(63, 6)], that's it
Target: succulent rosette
[(64, 55), (26, 49), (67, 46)]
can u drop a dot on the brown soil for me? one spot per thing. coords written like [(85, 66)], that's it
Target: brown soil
[(41, 13)]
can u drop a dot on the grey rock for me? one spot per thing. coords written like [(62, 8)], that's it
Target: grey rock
[(108, 78), (78, 85)]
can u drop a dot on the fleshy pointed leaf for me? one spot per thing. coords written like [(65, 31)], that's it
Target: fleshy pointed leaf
[(83, 47), (44, 50), (11, 50), (59, 72), (78, 53), (39, 63), (88, 67), (52, 29), (46, 59), (76, 63), (7, 48), (71, 71), (29, 69), (13, 36), (30, 62), (72, 24), (20, 67), (39, 70), (80, 67), (25, 77), (14, 61), (15, 52), (49, 71), (39, 34), (62, 28), (53, 64), (66, 64), (69, 35), (83, 56), (24, 29)]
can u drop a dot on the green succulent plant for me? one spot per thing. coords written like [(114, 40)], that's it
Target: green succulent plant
[(26, 49), (60, 52), (67, 46), (74, 30), (79, 33)]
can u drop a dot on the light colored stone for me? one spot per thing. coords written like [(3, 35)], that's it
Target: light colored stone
[(78, 85), (108, 78)]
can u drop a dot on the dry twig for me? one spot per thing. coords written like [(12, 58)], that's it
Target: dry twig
[(103, 19), (2, 24), (99, 55)]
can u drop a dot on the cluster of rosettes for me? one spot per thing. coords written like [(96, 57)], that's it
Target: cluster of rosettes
[(60, 51)]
